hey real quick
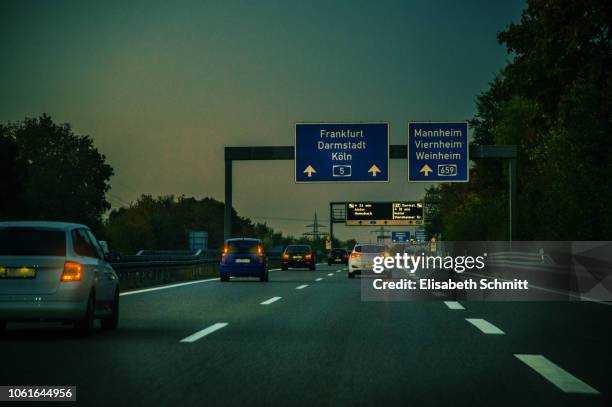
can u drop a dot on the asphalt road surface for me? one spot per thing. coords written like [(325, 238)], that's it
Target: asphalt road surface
[(307, 338)]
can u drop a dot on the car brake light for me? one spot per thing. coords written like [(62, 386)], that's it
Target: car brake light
[(72, 271), (285, 256), (225, 249), (308, 256), (355, 255), (259, 250)]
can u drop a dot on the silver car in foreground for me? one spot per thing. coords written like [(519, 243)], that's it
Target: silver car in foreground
[(53, 271)]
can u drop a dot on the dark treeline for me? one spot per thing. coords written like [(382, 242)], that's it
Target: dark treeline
[(553, 101), (164, 223), (50, 173)]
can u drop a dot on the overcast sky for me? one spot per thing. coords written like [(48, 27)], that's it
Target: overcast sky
[(162, 87)]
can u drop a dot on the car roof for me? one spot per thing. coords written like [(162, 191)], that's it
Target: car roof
[(43, 224), (247, 239), (293, 245)]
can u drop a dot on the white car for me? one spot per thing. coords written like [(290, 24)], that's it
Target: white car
[(362, 258), (54, 271)]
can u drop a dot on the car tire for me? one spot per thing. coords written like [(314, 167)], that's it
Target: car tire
[(284, 268), (264, 277), (329, 263), (111, 322), (84, 326), (223, 278), (351, 275), (2, 325), (313, 267)]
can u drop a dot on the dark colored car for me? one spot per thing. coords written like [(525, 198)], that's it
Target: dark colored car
[(337, 256), (243, 258), (298, 256)]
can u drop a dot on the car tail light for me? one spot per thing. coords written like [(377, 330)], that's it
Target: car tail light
[(72, 271), (260, 250), (308, 256), (355, 255), (225, 249), (286, 256)]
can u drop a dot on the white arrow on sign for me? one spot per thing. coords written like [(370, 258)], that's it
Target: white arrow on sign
[(309, 170), (374, 170), (426, 170)]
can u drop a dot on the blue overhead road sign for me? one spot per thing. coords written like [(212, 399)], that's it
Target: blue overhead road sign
[(400, 236), (438, 152), (341, 152)]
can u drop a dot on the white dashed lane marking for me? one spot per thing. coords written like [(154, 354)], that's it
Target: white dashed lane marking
[(454, 305), (565, 381), (485, 326), (271, 300), (204, 332)]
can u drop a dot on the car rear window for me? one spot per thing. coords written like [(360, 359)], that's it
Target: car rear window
[(338, 251), (23, 241), (370, 248), (298, 249), (242, 246)]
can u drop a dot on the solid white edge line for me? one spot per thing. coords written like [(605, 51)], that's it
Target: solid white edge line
[(485, 326), (562, 379), (270, 300), (454, 305), (206, 331), (164, 287), (300, 287)]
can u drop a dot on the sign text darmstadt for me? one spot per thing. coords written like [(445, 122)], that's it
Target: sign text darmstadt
[(342, 152), (438, 152)]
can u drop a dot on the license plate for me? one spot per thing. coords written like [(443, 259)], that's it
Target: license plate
[(338, 260), (297, 257), (17, 272), (243, 260)]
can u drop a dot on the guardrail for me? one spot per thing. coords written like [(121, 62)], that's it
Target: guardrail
[(146, 271)]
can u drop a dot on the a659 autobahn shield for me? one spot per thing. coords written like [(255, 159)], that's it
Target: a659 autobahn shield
[(342, 152)]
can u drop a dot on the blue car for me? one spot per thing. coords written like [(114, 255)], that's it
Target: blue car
[(243, 258)]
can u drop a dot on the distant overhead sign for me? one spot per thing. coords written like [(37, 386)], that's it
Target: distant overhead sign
[(400, 236), (438, 152), (420, 235), (341, 152), (384, 213)]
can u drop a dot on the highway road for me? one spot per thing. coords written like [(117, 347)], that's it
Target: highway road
[(307, 338)]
